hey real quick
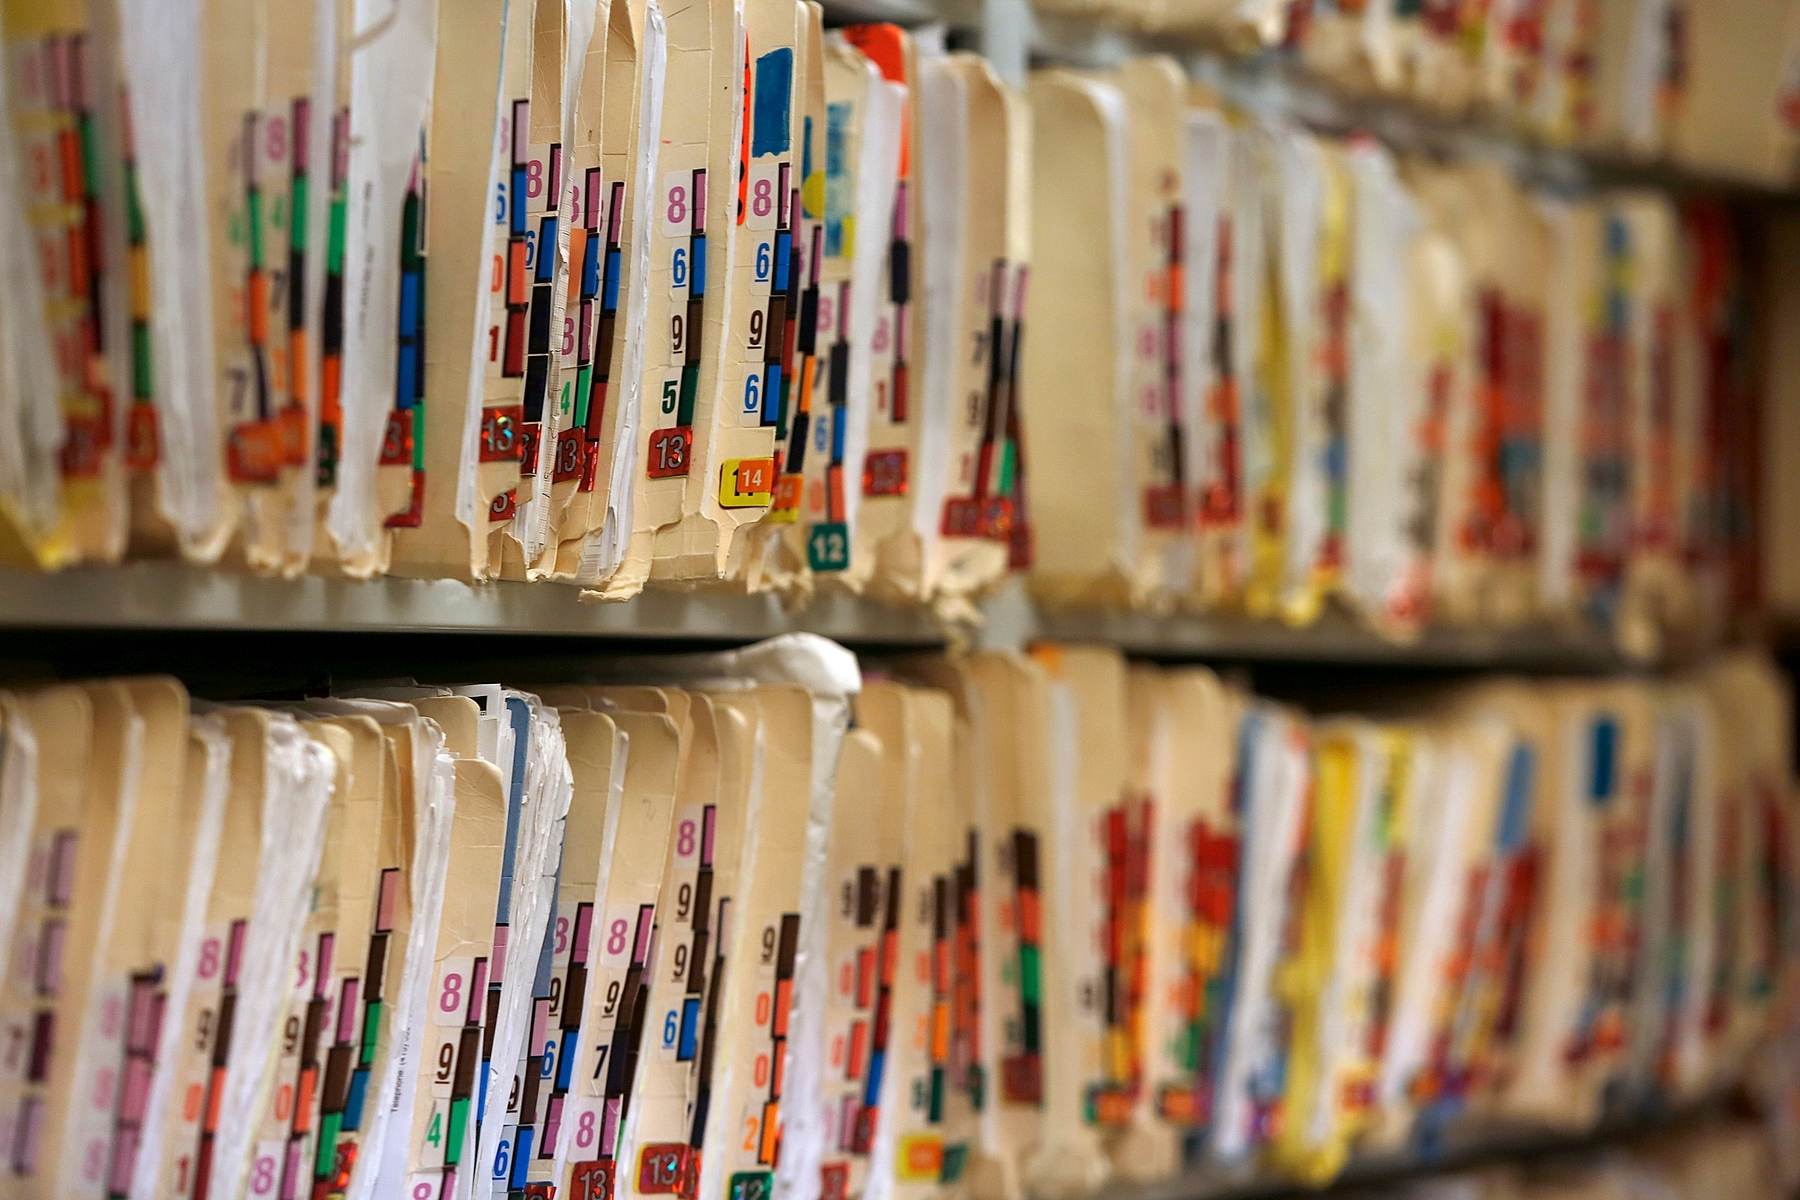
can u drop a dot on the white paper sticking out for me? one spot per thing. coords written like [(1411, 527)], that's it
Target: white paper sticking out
[(1386, 398), (544, 807), (1300, 212), (383, 1153), (1275, 792), (877, 181), (944, 149), (298, 781), (393, 53), (162, 60), (1205, 172), (605, 548), (1442, 834)]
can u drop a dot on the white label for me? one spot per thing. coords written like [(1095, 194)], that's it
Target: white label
[(762, 200), (675, 204), (450, 992)]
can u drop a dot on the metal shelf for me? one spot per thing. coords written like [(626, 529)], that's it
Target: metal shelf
[(1011, 621), (166, 596), (1462, 1150)]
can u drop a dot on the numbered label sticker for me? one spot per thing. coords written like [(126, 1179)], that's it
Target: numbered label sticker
[(675, 203), (746, 482), (884, 473), (680, 270), (265, 1169), (688, 832), (614, 939), (762, 268), (450, 993), (668, 401), (670, 451), (828, 547), (762, 200), (663, 1168)]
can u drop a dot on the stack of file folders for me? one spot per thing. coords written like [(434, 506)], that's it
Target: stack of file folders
[(764, 924), (727, 301)]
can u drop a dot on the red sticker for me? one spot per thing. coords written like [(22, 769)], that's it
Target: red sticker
[(253, 452), (143, 446), (293, 434), (397, 439), (787, 493), (884, 473), (1022, 1079), (1165, 507), (664, 1168), (414, 516), (669, 451), (592, 1181), (500, 433), (571, 449), (962, 518)]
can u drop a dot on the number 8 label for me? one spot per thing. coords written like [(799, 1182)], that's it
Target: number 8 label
[(449, 1000), (675, 203), (764, 205)]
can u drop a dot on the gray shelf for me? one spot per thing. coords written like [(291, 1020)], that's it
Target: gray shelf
[(167, 596), (1461, 1149), (1335, 639)]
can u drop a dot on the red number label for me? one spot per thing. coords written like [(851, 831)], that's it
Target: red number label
[(669, 451)]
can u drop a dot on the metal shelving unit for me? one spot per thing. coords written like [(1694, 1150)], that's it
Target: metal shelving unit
[(168, 597), (1335, 639), (1461, 1151)]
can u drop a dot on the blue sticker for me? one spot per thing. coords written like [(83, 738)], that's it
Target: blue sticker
[(1603, 761), (772, 104), (1515, 816), (840, 183)]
